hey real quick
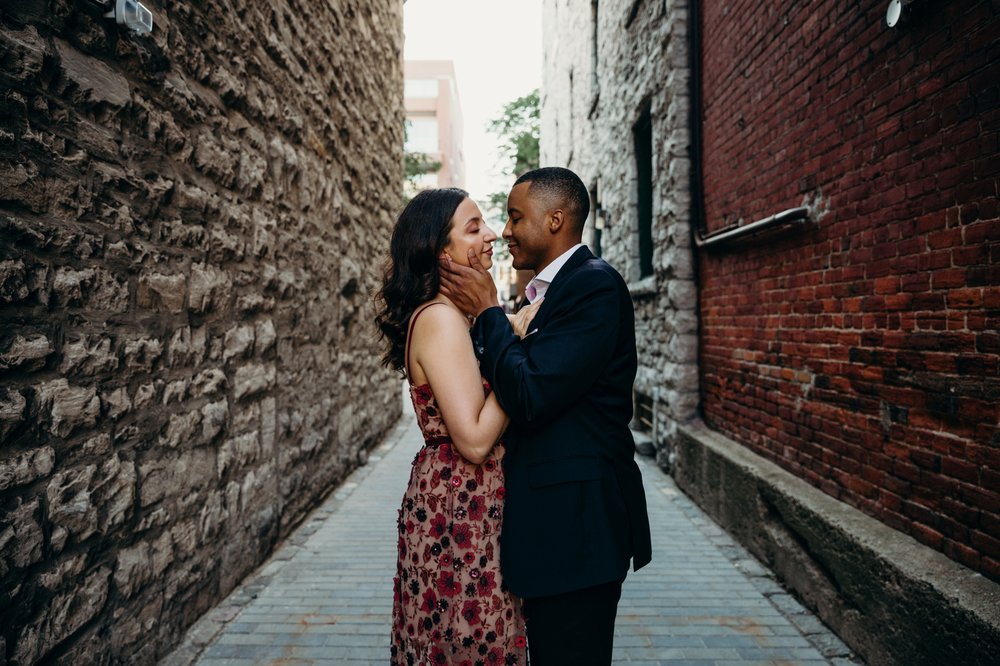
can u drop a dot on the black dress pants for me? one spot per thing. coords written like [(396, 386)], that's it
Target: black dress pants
[(573, 628)]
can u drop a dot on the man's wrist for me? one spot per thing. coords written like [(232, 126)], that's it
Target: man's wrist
[(488, 307)]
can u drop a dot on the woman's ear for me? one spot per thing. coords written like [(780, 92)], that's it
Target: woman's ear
[(445, 255)]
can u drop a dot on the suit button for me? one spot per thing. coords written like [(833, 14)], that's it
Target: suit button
[(481, 349)]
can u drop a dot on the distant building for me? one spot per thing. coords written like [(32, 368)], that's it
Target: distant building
[(434, 120)]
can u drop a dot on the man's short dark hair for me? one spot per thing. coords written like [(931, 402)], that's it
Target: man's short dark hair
[(565, 190)]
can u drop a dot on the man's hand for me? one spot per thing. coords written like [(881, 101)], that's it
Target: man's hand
[(471, 288), (522, 320)]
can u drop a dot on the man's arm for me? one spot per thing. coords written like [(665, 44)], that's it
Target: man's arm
[(566, 356)]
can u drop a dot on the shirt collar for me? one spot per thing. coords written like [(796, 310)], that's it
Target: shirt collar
[(548, 274)]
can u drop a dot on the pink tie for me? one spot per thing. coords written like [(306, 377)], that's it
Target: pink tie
[(530, 292)]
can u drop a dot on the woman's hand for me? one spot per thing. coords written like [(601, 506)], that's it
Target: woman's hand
[(522, 320)]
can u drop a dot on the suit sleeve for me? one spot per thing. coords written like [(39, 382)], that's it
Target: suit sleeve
[(536, 382)]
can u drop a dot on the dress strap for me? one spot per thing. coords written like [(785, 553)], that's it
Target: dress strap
[(409, 336)]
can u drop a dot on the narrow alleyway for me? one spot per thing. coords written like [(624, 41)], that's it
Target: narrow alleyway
[(325, 596)]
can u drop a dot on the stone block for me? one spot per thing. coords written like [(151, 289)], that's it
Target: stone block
[(24, 50), (683, 294), (12, 411), (69, 502), (238, 342), (142, 353), (176, 391), (26, 353), (161, 478), (88, 356), (94, 81), (64, 571), (21, 537), (145, 394), (252, 379), (186, 347), (69, 285), (161, 292), (210, 288), (116, 403), (13, 281), (211, 381), (69, 407), (237, 452), (181, 430), (214, 417), (266, 335), (23, 468)]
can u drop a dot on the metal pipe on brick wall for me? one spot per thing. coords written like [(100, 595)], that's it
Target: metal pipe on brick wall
[(798, 215)]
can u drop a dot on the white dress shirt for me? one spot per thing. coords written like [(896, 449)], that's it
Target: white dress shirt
[(536, 288)]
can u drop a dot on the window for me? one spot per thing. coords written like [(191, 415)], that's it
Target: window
[(642, 134), (420, 88), (422, 134)]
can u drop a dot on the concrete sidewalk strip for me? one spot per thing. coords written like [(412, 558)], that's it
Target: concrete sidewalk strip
[(325, 596)]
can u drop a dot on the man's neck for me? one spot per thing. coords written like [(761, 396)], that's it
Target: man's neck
[(556, 253)]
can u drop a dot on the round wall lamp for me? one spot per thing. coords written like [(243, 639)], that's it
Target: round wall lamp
[(897, 13)]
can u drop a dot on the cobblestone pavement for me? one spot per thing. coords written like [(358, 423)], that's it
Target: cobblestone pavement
[(325, 596)]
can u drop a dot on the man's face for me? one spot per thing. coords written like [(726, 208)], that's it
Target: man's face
[(525, 231)]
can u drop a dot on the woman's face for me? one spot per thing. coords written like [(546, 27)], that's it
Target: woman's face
[(468, 230)]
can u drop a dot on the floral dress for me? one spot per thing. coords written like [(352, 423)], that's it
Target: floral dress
[(450, 605)]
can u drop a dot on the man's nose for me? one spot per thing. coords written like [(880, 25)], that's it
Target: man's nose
[(506, 231)]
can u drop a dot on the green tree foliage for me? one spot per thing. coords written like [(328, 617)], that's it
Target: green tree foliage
[(416, 164), (518, 128)]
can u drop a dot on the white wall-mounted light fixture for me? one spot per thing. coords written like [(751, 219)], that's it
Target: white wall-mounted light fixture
[(133, 15), (898, 12)]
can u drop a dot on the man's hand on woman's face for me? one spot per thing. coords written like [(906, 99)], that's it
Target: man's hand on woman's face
[(471, 287)]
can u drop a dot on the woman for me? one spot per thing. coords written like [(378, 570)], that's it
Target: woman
[(450, 604)]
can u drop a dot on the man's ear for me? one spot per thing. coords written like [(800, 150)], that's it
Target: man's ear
[(555, 221)]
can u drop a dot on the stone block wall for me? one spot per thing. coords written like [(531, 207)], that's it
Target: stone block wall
[(605, 64), (862, 352), (192, 224)]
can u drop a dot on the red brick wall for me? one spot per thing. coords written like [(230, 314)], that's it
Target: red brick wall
[(862, 354)]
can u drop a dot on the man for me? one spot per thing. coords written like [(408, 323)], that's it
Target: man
[(575, 511)]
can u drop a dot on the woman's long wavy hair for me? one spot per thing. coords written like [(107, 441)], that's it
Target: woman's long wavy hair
[(411, 271)]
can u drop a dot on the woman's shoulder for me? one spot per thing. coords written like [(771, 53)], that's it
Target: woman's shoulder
[(438, 317)]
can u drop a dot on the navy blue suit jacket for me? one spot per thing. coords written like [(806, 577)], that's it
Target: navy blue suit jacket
[(575, 511)]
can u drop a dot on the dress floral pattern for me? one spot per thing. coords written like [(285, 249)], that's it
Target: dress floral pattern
[(450, 605)]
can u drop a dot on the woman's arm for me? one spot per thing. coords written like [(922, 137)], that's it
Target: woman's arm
[(441, 346)]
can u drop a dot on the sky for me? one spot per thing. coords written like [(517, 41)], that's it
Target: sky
[(497, 50)]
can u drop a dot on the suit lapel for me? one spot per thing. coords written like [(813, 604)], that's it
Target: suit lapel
[(576, 260)]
